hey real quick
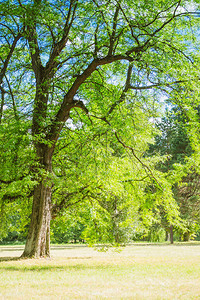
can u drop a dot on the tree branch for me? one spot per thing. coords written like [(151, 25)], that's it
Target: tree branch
[(6, 62), (34, 51), (147, 42), (58, 47), (13, 100), (126, 88), (68, 101), (159, 84), (2, 104), (57, 207), (147, 169), (112, 37)]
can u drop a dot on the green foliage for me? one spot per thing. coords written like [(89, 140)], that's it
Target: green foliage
[(181, 170), (16, 179), (56, 60)]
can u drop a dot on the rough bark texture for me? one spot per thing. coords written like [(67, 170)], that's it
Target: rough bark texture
[(38, 240)]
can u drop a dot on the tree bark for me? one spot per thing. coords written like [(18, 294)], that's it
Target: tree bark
[(167, 235), (38, 239), (171, 234)]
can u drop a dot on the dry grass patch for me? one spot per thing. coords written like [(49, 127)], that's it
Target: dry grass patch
[(79, 272)]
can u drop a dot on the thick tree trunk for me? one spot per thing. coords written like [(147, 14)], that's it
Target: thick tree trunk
[(38, 239)]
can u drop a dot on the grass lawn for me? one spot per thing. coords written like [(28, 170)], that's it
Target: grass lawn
[(78, 272)]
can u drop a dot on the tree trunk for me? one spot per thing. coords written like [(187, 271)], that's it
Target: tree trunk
[(186, 236), (171, 234), (38, 239), (167, 235)]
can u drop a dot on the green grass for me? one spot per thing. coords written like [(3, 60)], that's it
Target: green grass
[(78, 272)]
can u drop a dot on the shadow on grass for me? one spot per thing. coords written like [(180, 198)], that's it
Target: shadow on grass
[(2, 259), (9, 258), (69, 247), (47, 268)]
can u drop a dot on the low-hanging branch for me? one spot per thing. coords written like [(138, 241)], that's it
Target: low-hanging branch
[(147, 169), (57, 207)]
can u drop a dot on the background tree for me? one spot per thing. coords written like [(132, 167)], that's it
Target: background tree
[(174, 143)]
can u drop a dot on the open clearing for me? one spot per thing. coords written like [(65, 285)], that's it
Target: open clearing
[(79, 272)]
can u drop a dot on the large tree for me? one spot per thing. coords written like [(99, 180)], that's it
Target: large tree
[(54, 54)]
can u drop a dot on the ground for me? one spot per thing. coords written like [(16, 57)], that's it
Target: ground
[(78, 272)]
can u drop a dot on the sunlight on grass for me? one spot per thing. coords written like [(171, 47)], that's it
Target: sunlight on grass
[(79, 272)]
